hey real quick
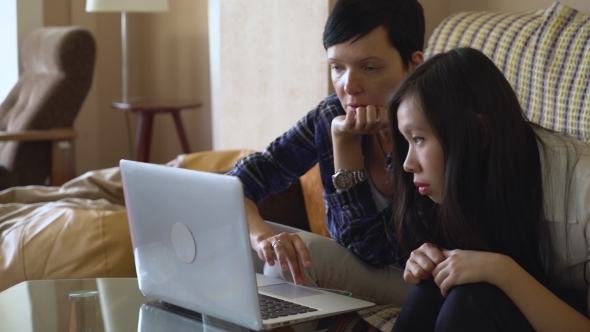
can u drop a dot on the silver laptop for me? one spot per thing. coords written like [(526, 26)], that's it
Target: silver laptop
[(191, 246)]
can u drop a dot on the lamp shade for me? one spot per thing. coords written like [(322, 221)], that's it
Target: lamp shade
[(145, 6)]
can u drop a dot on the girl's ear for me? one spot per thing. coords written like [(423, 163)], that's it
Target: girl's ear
[(484, 131)]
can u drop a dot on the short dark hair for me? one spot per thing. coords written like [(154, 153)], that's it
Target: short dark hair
[(492, 195), (403, 20)]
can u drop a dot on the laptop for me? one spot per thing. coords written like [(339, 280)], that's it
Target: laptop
[(192, 249)]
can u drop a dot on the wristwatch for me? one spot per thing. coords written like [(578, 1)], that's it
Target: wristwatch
[(344, 179)]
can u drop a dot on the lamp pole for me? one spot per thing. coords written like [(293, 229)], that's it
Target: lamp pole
[(125, 68)]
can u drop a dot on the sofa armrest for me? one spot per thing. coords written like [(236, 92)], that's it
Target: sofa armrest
[(57, 134)]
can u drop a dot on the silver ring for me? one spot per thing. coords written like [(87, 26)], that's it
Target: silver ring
[(277, 241)]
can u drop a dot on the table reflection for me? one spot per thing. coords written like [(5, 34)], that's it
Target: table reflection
[(154, 317)]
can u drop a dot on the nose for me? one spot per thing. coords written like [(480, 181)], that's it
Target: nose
[(352, 83), (411, 165)]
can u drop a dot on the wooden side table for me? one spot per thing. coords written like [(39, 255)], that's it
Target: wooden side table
[(146, 111)]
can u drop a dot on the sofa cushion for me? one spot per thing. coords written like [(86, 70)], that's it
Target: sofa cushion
[(311, 184), (545, 55), (219, 161)]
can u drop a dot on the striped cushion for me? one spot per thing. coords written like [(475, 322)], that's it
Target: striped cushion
[(544, 54)]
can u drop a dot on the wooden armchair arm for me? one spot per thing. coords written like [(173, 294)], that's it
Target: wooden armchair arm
[(54, 134), (63, 159)]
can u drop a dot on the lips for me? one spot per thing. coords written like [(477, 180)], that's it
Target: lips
[(422, 187)]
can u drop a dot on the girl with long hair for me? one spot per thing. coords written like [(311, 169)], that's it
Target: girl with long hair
[(492, 210)]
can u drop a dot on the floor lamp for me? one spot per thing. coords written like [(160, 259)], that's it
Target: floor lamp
[(123, 7)]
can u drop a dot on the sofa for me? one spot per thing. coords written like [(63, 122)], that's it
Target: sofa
[(544, 54), (79, 230)]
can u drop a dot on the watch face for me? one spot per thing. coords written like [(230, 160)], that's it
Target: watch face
[(342, 181)]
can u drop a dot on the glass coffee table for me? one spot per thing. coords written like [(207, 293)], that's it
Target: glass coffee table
[(95, 305), (85, 305)]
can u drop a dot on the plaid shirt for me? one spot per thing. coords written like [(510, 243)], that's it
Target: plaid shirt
[(352, 216)]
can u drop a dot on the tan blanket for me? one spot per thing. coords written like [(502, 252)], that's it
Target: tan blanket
[(78, 230), (94, 185)]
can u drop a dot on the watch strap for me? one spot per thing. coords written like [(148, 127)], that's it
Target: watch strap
[(358, 177), (355, 177)]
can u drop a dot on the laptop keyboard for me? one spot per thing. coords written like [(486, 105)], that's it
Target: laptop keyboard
[(271, 307)]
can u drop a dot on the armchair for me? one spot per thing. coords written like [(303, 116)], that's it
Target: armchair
[(36, 118)]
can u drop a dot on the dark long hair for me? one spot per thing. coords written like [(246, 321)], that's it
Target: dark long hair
[(403, 20), (492, 195)]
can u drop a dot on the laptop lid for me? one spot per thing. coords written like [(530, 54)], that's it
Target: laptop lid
[(191, 245)]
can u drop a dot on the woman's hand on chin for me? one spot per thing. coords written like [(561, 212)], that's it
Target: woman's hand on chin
[(362, 121)]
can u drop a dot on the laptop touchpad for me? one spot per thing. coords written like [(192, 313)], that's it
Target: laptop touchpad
[(289, 291)]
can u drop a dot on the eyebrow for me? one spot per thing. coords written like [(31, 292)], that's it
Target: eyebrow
[(361, 60), (411, 127)]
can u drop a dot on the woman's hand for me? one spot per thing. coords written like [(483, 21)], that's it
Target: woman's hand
[(346, 131), (465, 267), (422, 263), (287, 249), (363, 121), (290, 252)]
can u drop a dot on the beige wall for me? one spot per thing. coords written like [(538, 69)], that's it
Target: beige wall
[(434, 12), (268, 67), (170, 59), (174, 63), (29, 17)]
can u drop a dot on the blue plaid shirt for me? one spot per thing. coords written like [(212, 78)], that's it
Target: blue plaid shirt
[(352, 217)]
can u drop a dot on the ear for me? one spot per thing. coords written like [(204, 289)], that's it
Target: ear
[(417, 58), (484, 131)]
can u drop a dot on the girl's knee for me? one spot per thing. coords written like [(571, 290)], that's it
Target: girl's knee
[(480, 307), (473, 294)]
